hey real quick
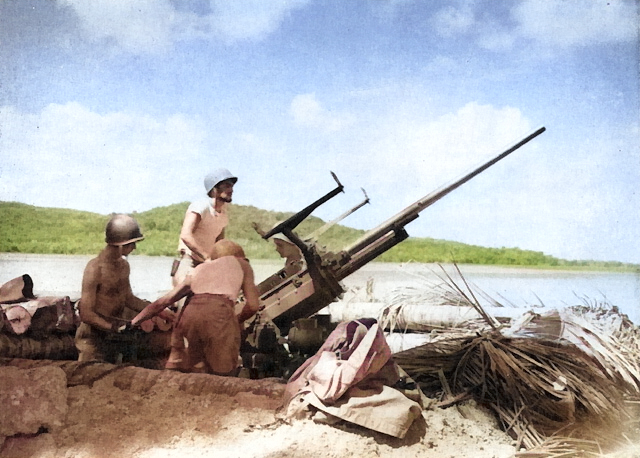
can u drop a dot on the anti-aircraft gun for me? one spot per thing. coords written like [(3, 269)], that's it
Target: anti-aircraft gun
[(291, 296)]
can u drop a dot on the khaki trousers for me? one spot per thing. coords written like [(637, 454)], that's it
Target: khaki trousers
[(206, 337)]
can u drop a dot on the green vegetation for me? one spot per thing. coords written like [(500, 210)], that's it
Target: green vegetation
[(427, 250), (28, 229)]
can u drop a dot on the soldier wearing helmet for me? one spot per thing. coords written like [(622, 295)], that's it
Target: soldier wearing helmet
[(204, 223), (207, 336), (107, 298)]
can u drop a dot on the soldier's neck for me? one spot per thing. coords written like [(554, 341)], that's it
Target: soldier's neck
[(218, 205), (112, 253)]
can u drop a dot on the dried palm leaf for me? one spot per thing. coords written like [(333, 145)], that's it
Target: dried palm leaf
[(544, 375), (535, 386), (563, 447)]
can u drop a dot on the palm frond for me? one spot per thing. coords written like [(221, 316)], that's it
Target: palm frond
[(546, 376)]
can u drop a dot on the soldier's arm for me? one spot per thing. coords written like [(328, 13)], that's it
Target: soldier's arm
[(221, 236), (89, 298), (162, 303), (250, 291), (191, 221), (136, 304), (131, 301)]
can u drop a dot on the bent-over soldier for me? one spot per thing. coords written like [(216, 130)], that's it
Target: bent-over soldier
[(207, 335)]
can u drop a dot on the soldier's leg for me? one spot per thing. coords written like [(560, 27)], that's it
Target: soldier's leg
[(221, 340), (184, 267), (89, 346), (193, 316), (177, 360)]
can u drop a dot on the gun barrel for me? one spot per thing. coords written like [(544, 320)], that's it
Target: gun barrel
[(412, 212)]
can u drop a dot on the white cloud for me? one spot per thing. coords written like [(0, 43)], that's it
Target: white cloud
[(307, 112), (577, 22), (551, 195), (101, 163), (399, 153), (250, 19), (137, 26), (487, 32), (436, 150), (565, 23), (150, 26)]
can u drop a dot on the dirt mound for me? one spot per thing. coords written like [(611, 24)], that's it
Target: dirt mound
[(128, 411)]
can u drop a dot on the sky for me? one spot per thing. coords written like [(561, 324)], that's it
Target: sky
[(121, 106)]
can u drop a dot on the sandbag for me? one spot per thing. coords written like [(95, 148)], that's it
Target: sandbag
[(52, 347), (39, 317), (51, 314), (16, 319), (19, 289)]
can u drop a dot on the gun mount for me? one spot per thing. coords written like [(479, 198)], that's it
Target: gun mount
[(295, 293)]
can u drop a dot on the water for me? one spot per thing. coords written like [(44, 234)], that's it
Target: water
[(58, 275), (511, 286), (55, 275)]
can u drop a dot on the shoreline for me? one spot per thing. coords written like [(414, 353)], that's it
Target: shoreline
[(61, 275), (409, 265)]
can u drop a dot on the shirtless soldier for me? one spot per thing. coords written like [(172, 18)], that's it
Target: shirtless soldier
[(106, 294), (206, 337)]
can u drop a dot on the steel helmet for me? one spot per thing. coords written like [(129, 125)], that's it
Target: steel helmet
[(121, 230), (216, 177)]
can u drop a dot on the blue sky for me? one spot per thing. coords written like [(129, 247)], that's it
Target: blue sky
[(121, 106)]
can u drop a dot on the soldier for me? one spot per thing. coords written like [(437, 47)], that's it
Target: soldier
[(107, 297), (293, 258), (204, 223), (207, 336)]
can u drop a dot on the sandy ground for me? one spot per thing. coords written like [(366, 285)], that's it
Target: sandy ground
[(143, 413)]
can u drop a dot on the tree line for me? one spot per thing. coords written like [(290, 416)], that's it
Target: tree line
[(29, 229)]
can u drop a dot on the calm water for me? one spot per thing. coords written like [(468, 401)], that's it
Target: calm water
[(62, 275), (517, 287)]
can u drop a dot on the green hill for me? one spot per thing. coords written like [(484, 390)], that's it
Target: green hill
[(28, 229)]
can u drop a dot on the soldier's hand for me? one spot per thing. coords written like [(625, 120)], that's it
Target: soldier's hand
[(121, 328), (167, 315)]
